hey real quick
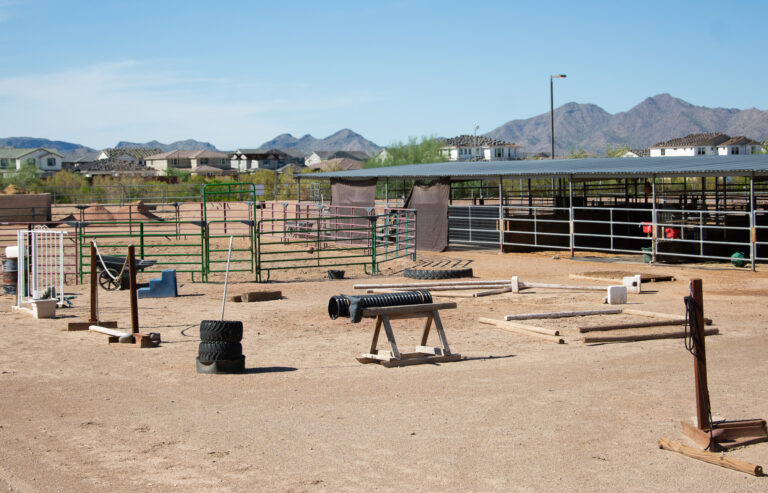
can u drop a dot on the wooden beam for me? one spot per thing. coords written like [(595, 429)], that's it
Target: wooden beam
[(518, 329), (406, 309), (585, 313), (560, 286), (643, 337), (711, 457), (108, 331), (630, 325), (632, 311)]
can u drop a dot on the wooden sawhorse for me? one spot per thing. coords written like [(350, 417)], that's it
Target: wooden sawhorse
[(424, 353)]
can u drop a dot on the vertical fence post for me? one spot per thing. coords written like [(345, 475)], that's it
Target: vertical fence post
[(372, 220), (501, 215), (654, 219), (141, 239), (570, 212), (132, 286), (752, 222)]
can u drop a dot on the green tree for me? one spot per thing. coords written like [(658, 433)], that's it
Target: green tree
[(426, 150), (183, 176), (577, 154), (764, 144), (617, 151), (25, 178)]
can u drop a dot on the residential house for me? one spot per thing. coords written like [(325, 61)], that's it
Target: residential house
[(338, 164), (739, 145), (129, 154), (272, 159), (109, 167), (479, 148), (637, 153), (46, 160), (320, 156), (690, 145), (187, 160)]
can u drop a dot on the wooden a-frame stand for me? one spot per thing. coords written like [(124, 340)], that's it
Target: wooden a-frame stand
[(724, 434), (423, 353)]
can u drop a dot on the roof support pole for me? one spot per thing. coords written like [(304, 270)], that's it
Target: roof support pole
[(570, 211), (654, 221), (501, 215), (298, 191), (752, 232), (386, 193)]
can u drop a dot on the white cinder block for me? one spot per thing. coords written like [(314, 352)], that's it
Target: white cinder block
[(12, 251), (633, 283), (617, 295)]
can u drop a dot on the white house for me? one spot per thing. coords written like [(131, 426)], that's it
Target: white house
[(471, 148), (739, 145), (272, 159), (45, 159), (690, 145), (318, 157), (187, 160)]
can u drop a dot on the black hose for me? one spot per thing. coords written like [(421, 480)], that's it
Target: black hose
[(343, 305)]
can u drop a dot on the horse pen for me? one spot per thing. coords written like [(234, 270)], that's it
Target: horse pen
[(514, 413)]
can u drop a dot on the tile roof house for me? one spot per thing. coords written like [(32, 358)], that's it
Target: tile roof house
[(319, 156), (337, 164), (112, 167), (46, 160), (690, 145), (637, 153), (132, 154), (272, 159), (739, 145), (187, 160), (479, 148)]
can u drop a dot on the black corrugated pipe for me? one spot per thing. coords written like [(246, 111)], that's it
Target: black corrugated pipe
[(343, 305)]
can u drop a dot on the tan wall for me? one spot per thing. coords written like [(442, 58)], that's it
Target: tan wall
[(25, 207)]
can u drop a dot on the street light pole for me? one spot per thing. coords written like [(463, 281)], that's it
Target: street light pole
[(552, 109)]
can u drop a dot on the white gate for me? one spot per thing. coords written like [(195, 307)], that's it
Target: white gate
[(40, 265)]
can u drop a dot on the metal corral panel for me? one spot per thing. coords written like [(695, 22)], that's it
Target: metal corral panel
[(591, 169)]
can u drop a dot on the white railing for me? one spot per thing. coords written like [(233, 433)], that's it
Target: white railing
[(40, 265)]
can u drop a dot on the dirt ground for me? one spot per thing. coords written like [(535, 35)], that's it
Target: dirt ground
[(517, 413)]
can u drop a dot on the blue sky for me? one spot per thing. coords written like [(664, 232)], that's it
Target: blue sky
[(238, 73)]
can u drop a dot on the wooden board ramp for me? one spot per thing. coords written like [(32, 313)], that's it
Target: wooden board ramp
[(423, 353), (642, 337), (583, 313)]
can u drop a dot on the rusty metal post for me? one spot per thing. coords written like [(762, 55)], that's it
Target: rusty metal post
[(134, 292), (700, 358)]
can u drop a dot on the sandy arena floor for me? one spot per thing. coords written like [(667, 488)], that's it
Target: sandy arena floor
[(518, 414)]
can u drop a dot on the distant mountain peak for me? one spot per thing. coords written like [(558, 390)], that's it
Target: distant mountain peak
[(655, 119), (341, 140)]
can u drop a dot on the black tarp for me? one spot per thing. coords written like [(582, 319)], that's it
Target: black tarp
[(430, 199)]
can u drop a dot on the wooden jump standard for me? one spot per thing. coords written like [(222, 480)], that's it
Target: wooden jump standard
[(725, 434), (423, 353), (137, 339), (94, 300)]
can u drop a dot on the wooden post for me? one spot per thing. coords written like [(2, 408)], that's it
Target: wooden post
[(134, 291), (700, 358), (94, 287)]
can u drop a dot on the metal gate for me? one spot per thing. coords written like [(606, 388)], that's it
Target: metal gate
[(40, 265)]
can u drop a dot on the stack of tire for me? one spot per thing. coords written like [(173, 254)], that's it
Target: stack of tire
[(9, 276), (220, 350)]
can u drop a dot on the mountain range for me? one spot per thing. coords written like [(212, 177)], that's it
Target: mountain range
[(656, 119), (578, 126)]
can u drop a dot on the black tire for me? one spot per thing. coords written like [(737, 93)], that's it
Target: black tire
[(437, 274), (221, 330), (215, 351)]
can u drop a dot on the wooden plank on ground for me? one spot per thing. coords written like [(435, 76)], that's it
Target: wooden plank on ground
[(643, 337), (517, 328), (584, 313), (630, 325), (711, 457)]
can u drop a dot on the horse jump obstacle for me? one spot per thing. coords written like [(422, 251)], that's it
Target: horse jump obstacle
[(94, 300), (137, 339), (423, 353)]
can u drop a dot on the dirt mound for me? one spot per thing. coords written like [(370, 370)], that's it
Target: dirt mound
[(135, 211), (97, 213)]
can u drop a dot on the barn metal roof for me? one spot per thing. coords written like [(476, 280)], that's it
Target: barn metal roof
[(585, 169)]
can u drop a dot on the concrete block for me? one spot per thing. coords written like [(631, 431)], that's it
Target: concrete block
[(617, 295), (165, 287), (633, 283)]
